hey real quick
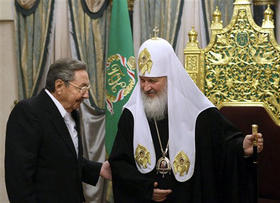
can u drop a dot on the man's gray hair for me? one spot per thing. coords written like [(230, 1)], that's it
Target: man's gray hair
[(63, 69)]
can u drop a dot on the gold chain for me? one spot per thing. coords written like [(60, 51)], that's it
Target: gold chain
[(166, 149)]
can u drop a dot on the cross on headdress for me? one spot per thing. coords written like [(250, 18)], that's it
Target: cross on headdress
[(155, 32)]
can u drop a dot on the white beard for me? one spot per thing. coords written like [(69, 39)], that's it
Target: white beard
[(155, 107)]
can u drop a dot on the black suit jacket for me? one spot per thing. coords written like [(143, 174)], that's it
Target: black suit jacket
[(41, 164)]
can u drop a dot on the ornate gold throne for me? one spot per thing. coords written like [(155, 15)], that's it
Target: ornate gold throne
[(239, 71)]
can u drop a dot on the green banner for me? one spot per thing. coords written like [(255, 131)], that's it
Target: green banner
[(120, 69)]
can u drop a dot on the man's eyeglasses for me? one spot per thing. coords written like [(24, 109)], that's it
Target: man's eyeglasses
[(83, 89)]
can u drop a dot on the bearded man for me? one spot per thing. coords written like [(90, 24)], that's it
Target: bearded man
[(172, 144)]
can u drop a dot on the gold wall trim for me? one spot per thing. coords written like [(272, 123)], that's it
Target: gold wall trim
[(264, 2), (241, 63)]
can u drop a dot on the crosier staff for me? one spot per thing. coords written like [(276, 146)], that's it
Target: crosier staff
[(255, 160), (255, 143)]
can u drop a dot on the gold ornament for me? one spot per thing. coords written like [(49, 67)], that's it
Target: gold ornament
[(131, 63), (241, 64), (155, 33), (142, 156), (144, 61), (116, 75), (181, 163)]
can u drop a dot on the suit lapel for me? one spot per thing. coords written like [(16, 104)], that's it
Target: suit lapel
[(63, 132), (55, 117)]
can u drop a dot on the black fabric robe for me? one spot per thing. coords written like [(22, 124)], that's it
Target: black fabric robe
[(221, 175)]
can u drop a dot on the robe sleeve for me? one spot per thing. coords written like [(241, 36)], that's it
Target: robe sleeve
[(90, 171), (225, 173), (129, 185)]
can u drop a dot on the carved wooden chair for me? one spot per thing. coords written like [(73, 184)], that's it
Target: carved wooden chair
[(239, 71)]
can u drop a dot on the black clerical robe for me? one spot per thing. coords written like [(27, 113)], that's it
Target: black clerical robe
[(221, 175)]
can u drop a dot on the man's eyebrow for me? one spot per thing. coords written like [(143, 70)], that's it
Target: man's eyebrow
[(84, 84)]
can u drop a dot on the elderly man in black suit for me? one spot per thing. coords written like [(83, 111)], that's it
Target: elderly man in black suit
[(43, 157)]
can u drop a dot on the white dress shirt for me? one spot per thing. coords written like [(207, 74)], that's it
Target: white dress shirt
[(69, 121)]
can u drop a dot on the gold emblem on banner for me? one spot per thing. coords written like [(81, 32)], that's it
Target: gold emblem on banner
[(144, 61), (121, 79), (181, 163), (142, 156)]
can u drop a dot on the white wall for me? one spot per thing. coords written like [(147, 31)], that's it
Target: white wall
[(8, 80)]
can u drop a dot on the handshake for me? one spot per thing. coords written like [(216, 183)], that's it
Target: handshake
[(105, 171)]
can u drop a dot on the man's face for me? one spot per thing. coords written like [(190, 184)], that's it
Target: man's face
[(72, 95), (152, 86)]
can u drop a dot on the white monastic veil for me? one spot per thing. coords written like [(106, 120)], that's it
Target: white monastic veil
[(185, 102)]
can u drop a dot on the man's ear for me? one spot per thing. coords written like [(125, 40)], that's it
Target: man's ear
[(59, 85)]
